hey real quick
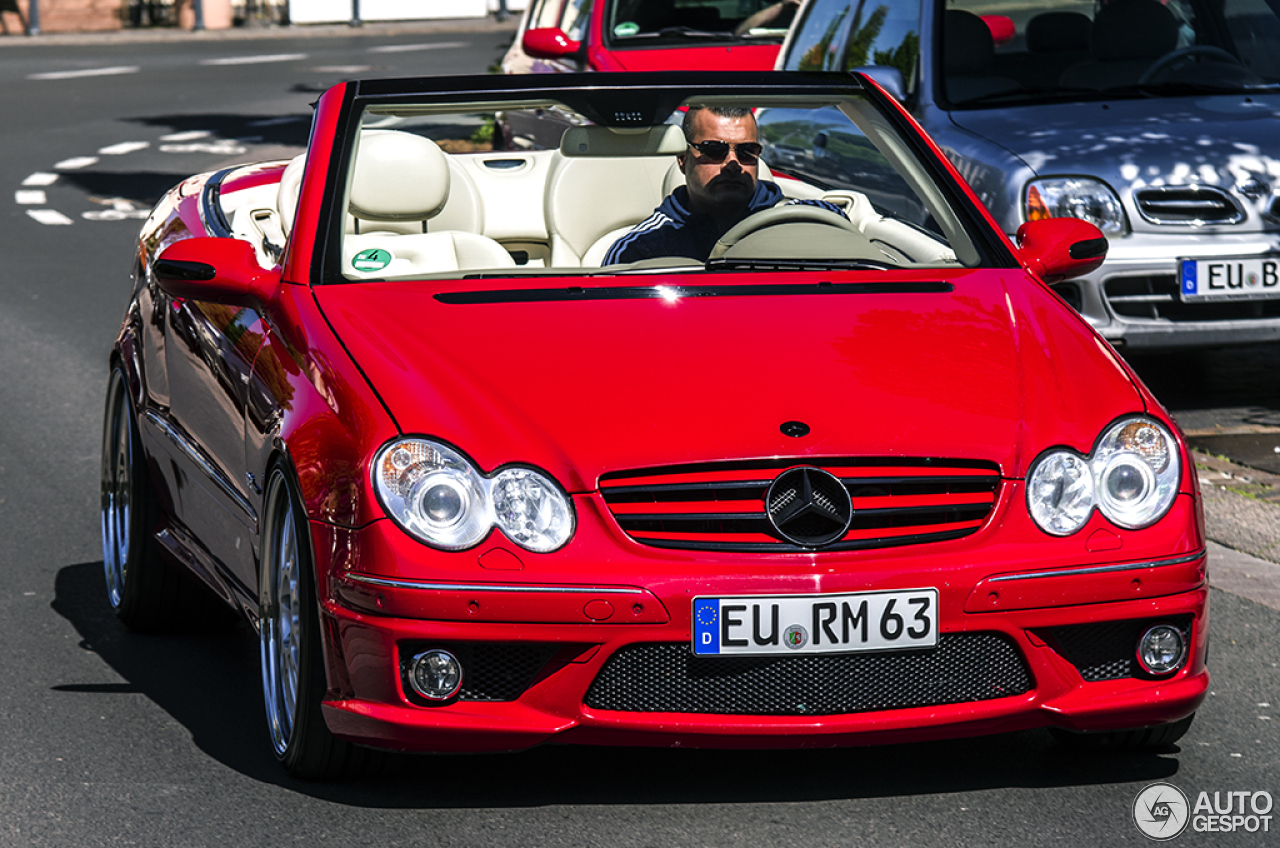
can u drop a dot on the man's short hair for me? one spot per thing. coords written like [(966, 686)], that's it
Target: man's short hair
[(719, 111)]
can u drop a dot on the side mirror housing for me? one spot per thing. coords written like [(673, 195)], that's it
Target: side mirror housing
[(222, 270), (549, 43), (1056, 249)]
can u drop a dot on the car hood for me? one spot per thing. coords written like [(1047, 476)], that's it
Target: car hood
[(997, 369), (1222, 140)]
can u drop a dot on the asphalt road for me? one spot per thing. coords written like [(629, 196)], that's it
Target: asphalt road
[(111, 738)]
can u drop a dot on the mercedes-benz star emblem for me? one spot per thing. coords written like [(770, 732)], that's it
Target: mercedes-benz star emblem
[(809, 507)]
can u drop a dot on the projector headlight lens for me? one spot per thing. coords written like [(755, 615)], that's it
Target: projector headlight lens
[(1132, 476), (434, 493)]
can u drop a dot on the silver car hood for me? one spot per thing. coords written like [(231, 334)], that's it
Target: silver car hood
[(1227, 141)]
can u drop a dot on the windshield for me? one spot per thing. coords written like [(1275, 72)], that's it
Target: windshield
[(997, 52), (684, 23), (815, 181)]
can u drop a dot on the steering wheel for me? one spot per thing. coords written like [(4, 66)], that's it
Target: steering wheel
[(779, 215), (1169, 60)]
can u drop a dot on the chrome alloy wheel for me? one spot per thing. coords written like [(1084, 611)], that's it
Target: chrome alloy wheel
[(117, 489), (281, 610)]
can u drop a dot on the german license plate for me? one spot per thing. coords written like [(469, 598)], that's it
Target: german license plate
[(1252, 278), (815, 624)]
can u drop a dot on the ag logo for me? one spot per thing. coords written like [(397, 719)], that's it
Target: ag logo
[(1161, 811)]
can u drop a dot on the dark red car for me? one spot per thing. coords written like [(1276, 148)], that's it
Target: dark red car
[(649, 35), (859, 477)]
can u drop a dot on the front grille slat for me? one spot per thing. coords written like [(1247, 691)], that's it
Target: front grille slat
[(668, 678), (1192, 205), (721, 506)]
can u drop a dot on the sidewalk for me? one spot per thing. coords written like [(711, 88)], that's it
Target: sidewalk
[(254, 33), (1242, 518)]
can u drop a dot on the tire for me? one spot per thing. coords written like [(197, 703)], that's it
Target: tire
[(144, 592), (1138, 739), (293, 681)]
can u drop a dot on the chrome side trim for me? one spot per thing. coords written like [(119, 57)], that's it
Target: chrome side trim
[(1102, 569), (392, 583), (219, 479)]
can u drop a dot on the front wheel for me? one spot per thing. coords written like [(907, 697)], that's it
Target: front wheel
[(293, 683)]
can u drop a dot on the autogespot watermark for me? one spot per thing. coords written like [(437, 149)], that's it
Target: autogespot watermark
[(1163, 811)]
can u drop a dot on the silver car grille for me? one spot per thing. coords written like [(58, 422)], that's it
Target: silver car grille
[(1188, 205)]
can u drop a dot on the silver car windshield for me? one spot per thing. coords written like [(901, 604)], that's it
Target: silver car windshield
[(997, 52)]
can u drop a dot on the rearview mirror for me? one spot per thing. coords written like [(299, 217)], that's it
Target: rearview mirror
[(222, 270), (1056, 249)]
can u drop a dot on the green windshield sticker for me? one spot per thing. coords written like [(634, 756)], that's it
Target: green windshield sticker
[(372, 259), (626, 30)]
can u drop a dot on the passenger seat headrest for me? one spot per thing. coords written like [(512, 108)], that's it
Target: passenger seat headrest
[(967, 46), (399, 177), (1058, 32), (1133, 29), (603, 141)]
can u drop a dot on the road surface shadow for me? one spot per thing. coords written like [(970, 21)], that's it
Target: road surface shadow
[(208, 681)]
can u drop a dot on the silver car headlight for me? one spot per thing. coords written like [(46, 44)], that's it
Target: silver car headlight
[(1131, 476), (435, 494), (1075, 197)]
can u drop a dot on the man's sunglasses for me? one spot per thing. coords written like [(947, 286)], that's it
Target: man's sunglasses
[(717, 151)]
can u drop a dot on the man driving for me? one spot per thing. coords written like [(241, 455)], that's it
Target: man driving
[(722, 187)]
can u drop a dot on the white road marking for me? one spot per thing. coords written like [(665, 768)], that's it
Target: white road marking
[(30, 197), (87, 72), (409, 48), (124, 147), (40, 178), (341, 69), (220, 147), (77, 163), (121, 210), (256, 60), (190, 135), (52, 217)]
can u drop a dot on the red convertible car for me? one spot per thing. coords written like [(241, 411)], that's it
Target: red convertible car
[(855, 476)]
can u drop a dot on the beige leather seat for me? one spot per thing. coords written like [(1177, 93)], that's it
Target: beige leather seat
[(409, 200)]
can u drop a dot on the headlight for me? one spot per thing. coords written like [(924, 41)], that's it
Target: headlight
[(1132, 476), (1076, 197), (438, 496)]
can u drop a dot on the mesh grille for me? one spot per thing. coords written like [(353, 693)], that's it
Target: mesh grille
[(1155, 297), (1108, 650), (721, 506), (669, 678), (491, 671)]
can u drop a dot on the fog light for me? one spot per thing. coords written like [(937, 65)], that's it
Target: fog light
[(435, 674), (1162, 649)]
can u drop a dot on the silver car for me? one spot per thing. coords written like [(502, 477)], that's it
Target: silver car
[(1154, 119)]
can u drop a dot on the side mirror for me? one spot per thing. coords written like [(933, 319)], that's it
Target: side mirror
[(887, 77), (1056, 249), (222, 270), (549, 43)]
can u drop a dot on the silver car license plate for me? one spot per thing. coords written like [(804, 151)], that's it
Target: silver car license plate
[(1247, 278), (815, 624)]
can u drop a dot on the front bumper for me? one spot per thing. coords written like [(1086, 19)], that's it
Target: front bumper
[(1133, 299), (566, 632)]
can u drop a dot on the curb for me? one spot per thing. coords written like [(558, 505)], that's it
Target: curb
[(1241, 506), (259, 33)]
